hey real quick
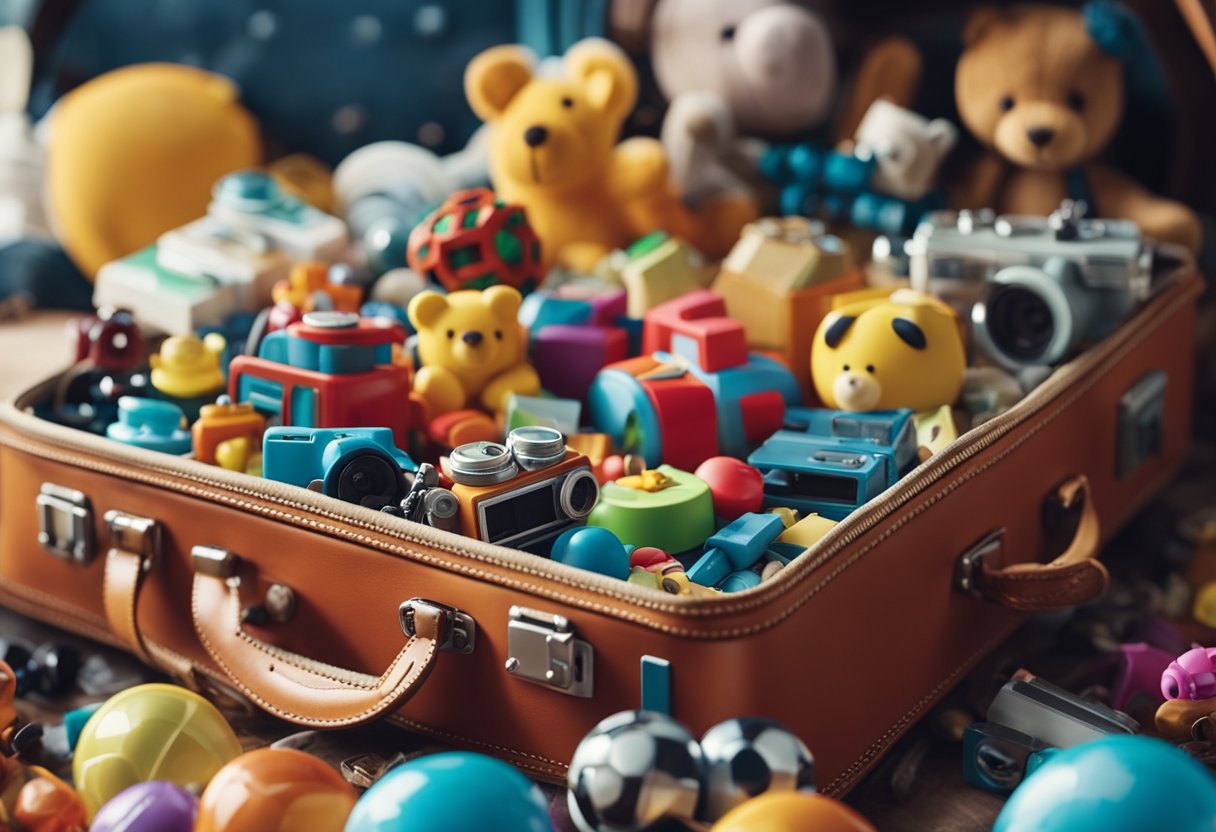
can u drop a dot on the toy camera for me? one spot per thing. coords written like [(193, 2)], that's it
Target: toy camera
[(838, 461), (525, 493), (428, 503), (1034, 289), (358, 465), (1027, 716)]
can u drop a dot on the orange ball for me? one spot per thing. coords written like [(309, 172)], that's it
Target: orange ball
[(792, 812), (275, 790)]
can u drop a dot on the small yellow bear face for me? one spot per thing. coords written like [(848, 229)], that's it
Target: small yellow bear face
[(905, 351), (552, 132), (473, 334)]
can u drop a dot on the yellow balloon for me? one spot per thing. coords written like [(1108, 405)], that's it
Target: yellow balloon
[(150, 732)]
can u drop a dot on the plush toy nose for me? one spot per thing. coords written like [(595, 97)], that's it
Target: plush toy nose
[(535, 135), (472, 338), (1040, 136)]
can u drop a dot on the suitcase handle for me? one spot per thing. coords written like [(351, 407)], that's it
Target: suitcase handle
[(1075, 577), (294, 687)]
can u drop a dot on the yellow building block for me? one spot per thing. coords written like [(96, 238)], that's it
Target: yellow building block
[(807, 531)]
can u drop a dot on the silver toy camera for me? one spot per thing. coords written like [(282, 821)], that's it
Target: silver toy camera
[(1035, 289)]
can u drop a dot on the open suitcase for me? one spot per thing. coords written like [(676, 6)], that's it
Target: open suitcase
[(517, 656)]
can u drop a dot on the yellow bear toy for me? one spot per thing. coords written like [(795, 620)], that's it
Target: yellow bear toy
[(553, 149), (902, 351), (472, 350)]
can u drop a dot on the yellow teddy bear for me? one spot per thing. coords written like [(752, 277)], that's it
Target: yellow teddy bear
[(472, 350), (553, 149), (902, 351)]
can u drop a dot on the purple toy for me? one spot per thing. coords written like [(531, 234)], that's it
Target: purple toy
[(155, 806), (568, 357), (1191, 676), (1140, 669)]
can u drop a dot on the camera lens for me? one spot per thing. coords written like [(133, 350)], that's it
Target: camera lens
[(579, 494), (481, 463), (1020, 322), (371, 480), (536, 447)]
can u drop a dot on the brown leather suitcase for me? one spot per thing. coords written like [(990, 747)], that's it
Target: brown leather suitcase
[(518, 656)]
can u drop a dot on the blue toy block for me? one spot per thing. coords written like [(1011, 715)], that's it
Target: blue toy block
[(656, 685), (826, 475), (541, 309), (807, 164), (710, 569), (739, 581), (745, 539)]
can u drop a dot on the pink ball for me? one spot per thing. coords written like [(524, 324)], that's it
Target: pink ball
[(736, 487)]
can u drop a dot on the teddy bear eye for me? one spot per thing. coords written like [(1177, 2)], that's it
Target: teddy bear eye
[(567, 102), (846, 368), (728, 33), (498, 334), (869, 368), (1076, 101), (451, 333), (1007, 103)]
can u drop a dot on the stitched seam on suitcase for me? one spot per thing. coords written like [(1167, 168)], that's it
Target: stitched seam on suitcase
[(717, 608), (861, 764)]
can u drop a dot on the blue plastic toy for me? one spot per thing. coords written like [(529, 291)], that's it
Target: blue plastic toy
[(1115, 784), (152, 424), (594, 549), (359, 465), (457, 791), (736, 547)]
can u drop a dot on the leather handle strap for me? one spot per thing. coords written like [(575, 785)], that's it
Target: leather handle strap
[(1075, 577), (303, 690), (133, 549)]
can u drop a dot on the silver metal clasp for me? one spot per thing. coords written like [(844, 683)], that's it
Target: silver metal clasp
[(541, 648), (460, 634), (214, 561), (130, 533), (65, 523), (970, 562)]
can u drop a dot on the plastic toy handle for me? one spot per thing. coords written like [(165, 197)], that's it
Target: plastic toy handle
[(303, 690), (1074, 578)]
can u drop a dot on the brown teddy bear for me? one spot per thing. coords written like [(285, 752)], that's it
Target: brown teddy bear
[(1042, 88), (553, 149)]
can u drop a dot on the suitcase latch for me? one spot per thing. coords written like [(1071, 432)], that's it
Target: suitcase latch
[(969, 564), (461, 630), (138, 535), (541, 648), (65, 523)]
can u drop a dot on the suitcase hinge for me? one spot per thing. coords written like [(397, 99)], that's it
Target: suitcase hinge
[(970, 562), (65, 523), (541, 648)]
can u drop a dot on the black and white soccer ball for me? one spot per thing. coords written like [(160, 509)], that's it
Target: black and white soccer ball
[(748, 756), (633, 769)]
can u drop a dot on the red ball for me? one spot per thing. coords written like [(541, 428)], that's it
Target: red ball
[(736, 487), (612, 468)]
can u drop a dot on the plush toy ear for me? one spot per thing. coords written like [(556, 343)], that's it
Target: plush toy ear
[(942, 135), (608, 78), (979, 22), (837, 329), (504, 301), (909, 333), (1114, 28), (426, 307), (493, 78)]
